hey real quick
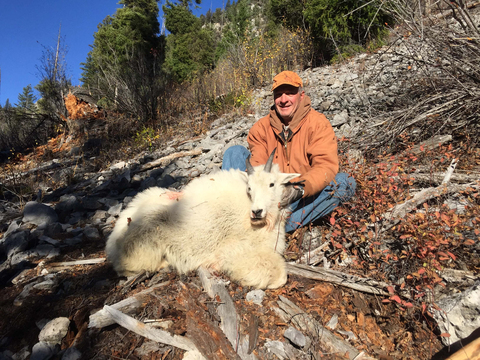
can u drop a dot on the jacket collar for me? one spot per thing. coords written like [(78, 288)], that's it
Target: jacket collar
[(298, 119)]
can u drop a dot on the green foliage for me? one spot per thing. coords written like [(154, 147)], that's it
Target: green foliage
[(146, 137), (190, 48), (347, 51), (333, 24), (287, 12), (26, 99), (124, 65)]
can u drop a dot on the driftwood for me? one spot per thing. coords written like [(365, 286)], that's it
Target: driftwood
[(166, 159), (430, 144), (291, 313), (436, 178), (229, 319), (398, 212), (78, 262), (204, 333), (336, 277), (148, 332), (102, 318)]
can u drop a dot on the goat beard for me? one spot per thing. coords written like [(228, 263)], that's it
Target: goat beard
[(268, 222)]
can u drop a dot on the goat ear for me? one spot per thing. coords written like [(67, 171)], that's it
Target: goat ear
[(244, 176), (287, 177)]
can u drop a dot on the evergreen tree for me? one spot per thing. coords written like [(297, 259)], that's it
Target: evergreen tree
[(124, 65), (26, 99), (190, 47)]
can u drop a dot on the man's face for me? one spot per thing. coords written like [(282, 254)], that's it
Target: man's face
[(287, 98)]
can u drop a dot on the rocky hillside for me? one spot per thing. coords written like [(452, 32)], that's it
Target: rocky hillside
[(357, 287)]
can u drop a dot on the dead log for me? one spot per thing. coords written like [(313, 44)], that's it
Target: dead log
[(291, 313), (78, 262), (148, 332), (166, 159), (336, 277), (430, 144), (226, 310), (102, 318), (392, 217), (204, 333), (436, 178)]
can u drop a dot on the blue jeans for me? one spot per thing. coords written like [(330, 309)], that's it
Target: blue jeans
[(307, 209)]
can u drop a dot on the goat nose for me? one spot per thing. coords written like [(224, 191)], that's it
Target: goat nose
[(256, 213)]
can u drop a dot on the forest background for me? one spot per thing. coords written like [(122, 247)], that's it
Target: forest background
[(199, 67)]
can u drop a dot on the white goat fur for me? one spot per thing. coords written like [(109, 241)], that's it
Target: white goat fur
[(210, 225)]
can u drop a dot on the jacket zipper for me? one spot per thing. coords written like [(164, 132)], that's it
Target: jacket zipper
[(286, 136)]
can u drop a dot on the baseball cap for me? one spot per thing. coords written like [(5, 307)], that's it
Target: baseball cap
[(287, 78)]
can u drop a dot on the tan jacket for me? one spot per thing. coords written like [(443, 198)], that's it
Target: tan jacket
[(310, 147)]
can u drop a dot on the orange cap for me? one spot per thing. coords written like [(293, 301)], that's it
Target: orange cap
[(287, 78)]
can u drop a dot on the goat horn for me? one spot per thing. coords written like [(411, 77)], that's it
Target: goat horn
[(250, 170), (268, 165)]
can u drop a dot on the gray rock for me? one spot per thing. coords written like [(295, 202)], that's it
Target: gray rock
[(148, 183), (166, 181), (54, 229), (54, 331), (118, 166), (91, 233), (459, 315), (47, 285), (74, 241), (295, 337), (43, 351), (46, 251), (14, 243), (23, 295), (38, 214), (72, 353), (23, 354), (115, 210), (14, 226), (67, 205), (99, 216), (255, 296), (339, 119), (91, 203)]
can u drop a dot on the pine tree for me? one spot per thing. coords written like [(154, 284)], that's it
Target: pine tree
[(190, 48), (26, 100), (124, 65)]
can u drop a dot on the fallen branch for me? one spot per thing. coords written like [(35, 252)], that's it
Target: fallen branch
[(291, 313), (227, 312), (166, 159), (398, 212), (79, 262), (205, 334), (141, 329), (102, 318), (366, 285), (430, 144), (437, 178)]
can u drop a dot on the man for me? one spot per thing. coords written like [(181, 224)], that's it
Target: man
[(306, 144)]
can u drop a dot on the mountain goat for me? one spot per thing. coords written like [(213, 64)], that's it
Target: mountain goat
[(229, 221)]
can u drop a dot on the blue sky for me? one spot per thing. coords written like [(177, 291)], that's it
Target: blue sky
[(26, 25)]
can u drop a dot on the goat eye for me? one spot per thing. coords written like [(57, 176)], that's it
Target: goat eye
[(272, 184)]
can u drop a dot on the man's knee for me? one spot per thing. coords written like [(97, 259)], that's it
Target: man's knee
[(345, 186), (234, 157)]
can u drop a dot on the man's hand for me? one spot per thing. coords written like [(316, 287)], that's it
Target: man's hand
[(292, 192)]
